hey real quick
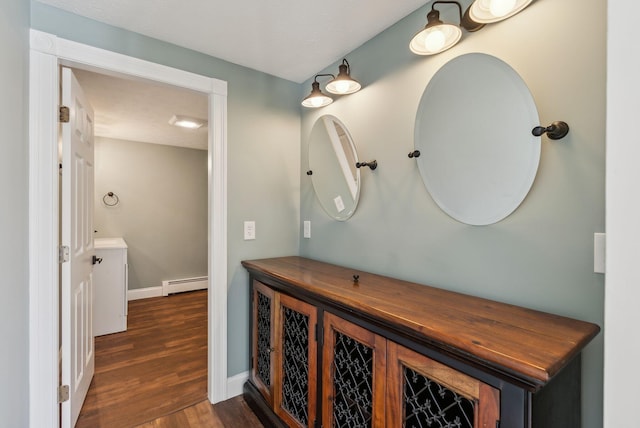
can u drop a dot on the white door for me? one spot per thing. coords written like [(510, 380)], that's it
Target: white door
[(77, 234)]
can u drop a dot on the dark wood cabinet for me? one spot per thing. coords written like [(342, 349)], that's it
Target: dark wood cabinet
[(284, 355), (296, 369), (353, 381), (263, 340), (337, 347), (422, 392)]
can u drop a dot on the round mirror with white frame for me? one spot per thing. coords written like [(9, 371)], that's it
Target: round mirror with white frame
[(332, 167), (478, 157)]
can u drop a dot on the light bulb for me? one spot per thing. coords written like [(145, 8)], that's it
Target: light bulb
[(434, 41), (342, 86), (500, 8), (316, 101)]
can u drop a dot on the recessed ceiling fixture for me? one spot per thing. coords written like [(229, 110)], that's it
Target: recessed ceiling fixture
[(187, 122), (438, 36)]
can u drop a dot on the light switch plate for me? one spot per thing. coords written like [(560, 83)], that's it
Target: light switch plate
[(249, 230), (599, 252), (307, 229)]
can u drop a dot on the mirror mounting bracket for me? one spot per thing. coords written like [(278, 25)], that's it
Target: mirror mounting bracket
[(371, 164)]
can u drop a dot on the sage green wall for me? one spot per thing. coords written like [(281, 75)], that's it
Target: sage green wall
[(263, 152), (539, 257), (162, 213), (14, 304)]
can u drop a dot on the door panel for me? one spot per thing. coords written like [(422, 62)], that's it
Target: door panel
[(296, 362), (264, 342), (353, 376), (76, 227)]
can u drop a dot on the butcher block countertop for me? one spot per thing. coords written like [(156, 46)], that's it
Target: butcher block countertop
[(530, 345)]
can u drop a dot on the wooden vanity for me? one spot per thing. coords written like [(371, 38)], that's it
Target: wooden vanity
[(337, 347)]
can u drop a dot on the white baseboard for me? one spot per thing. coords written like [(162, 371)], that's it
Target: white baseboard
[(144, 293), (184, 284), (235, 384)]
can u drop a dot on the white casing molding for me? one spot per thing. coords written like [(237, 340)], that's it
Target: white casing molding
[(46, 54)]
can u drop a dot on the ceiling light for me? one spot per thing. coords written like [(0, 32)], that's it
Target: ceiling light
[(316, 98), (343, 83), (438, 36), (187, 122), (489, 11)]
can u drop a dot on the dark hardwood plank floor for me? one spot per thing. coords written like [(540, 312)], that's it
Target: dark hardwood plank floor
[(156, 368), (228, 414)]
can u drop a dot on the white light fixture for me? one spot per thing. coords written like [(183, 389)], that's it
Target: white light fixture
[(187, 122), (490, 11)]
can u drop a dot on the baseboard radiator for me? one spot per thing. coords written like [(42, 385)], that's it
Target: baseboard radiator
[(185, 284)]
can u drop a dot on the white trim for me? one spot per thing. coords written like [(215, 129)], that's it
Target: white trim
[(236, 383), (144, 293), (47, 53)]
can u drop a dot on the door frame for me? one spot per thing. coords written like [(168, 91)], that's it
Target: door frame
[(47, 53)]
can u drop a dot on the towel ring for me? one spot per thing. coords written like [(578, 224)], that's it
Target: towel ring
[(110, 199)]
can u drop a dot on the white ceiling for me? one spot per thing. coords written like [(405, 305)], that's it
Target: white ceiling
[(292, 39), (140, 111)]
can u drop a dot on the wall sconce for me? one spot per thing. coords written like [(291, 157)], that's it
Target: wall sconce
[(342, 84), (438, 36), (317, 98), (490, 11)]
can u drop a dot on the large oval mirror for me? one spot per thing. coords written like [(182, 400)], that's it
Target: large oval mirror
[(332, 164), (473, 129)]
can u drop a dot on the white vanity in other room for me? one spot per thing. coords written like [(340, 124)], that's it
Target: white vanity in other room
[(110, 281)]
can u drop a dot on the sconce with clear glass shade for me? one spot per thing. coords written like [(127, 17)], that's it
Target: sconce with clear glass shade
[(490, 11)]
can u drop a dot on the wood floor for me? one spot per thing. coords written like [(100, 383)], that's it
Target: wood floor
[(155, 373)]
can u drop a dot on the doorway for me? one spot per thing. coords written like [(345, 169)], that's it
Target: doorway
[(47, 53)]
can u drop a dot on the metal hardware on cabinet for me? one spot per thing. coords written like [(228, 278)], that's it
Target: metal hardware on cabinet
[(371, 164), (414, 154), (96, 260), (309, 172), (555, 131)]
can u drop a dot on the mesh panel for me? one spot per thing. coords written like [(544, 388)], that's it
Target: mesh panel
[(295, 365), (428, 404), (352, 383), (263, 369)]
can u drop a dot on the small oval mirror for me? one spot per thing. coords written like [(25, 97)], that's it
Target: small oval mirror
[(478, 158), (332, 165)]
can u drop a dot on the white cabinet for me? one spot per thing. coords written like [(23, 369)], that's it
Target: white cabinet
[(110, 279)]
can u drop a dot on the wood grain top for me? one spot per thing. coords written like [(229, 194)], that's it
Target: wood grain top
[(529, 344)]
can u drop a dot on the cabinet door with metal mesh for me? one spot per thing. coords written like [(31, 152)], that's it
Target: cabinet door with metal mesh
[(422, 392), (353, 375), (263, 340), (296, 363)]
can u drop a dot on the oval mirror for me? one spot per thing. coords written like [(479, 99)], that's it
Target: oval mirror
[(332, 164), (473, 129)]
